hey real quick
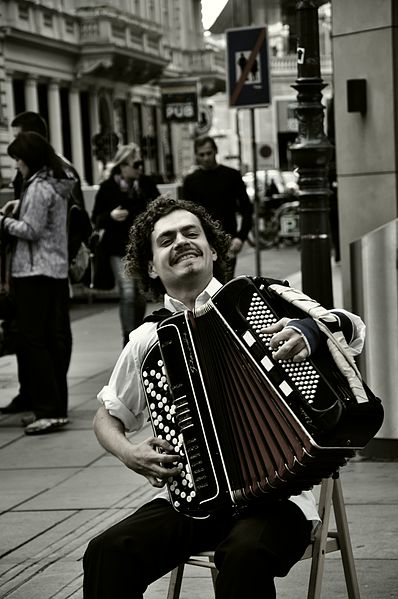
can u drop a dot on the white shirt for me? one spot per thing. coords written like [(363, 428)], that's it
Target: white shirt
[(124, 396)]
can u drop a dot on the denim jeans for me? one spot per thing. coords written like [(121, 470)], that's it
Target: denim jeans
[(132, 303)]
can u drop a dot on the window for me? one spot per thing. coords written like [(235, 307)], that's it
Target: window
[(47, 19)]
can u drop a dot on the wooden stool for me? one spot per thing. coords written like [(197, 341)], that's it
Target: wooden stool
[(326, 541)]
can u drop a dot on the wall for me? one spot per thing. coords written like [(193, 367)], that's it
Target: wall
[(365, 39)]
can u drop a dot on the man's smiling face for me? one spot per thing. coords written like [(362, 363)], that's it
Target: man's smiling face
[(181, 254)]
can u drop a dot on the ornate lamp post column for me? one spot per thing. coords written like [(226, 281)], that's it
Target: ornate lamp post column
[(311, 154)]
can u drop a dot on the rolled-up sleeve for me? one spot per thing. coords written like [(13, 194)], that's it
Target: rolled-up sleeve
[(357, 340), (123, 396)]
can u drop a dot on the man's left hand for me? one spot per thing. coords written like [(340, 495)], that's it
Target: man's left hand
[(287, 343), (10, 208)]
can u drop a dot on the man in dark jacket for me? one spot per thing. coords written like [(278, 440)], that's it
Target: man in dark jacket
[(221, 190)]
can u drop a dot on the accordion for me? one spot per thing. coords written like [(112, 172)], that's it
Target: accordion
[(244, 426)]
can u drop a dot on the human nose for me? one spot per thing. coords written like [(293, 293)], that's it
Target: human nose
[(180, 239)]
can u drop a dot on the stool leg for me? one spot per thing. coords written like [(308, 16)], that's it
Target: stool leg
[(318, 552), (345, 541), (175, 582), (214, 571)]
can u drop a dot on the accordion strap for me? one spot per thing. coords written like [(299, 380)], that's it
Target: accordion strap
[(336, 341)]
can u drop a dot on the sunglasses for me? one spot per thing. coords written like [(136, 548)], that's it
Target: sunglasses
[(136, 164)]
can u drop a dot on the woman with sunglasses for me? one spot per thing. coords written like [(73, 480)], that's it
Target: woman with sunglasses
[(120, 198)]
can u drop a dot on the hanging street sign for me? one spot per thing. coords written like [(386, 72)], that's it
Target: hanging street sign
[(180, 101), (248, 76)]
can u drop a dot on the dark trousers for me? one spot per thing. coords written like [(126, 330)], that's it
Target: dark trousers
[(44, 342), (250, 550)]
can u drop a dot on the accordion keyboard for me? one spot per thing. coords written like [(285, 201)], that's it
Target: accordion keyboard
[(161, 412), (302, 374)]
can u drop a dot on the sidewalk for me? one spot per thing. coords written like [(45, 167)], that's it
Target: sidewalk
[(60, 490)]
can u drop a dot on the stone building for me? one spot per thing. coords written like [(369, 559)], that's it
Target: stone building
[(94, 68)]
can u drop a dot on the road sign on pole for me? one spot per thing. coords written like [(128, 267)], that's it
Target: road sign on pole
[(248, 77)]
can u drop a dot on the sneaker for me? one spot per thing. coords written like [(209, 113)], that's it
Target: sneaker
[(45, 425)]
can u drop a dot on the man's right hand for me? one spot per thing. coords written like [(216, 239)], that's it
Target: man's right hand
[(156, 466)]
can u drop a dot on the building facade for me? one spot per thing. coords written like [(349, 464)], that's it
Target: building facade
[(96, 69)]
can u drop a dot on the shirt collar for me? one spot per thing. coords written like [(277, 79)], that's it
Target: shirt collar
[(176, 306)]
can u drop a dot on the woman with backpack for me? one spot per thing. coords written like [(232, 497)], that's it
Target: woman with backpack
[(39, 276)]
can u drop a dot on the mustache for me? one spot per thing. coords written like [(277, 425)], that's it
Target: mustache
[(183, 252)]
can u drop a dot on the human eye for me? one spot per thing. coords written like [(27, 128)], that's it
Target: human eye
[(164, 241)]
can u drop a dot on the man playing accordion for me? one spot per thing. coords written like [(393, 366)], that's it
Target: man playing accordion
[(177, 249)]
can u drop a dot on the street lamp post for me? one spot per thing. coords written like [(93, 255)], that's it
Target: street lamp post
[(311, 153)]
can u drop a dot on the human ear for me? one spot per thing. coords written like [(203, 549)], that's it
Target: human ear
[(152, 270), (214, 254)]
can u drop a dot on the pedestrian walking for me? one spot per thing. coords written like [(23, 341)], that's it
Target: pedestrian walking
[(222, 192), (119, 200)]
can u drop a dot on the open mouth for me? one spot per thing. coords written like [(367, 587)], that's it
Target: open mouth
[(185, 257)]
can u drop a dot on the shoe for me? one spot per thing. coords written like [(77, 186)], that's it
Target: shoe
[(18, 404), (45, 425)]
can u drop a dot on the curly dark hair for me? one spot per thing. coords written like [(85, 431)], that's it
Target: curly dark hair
[(139, 248)]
